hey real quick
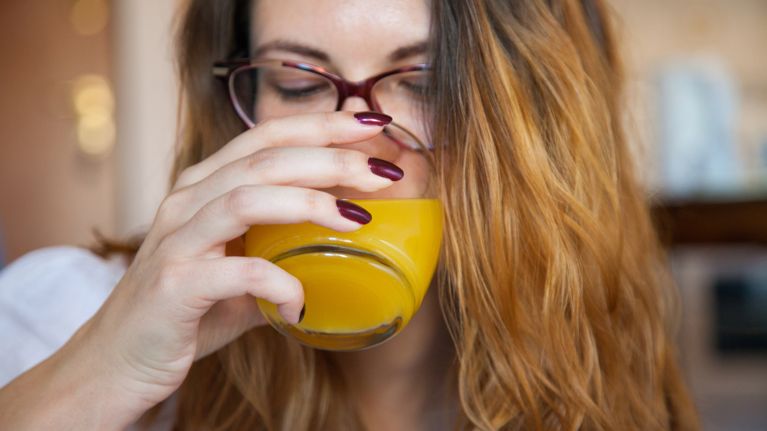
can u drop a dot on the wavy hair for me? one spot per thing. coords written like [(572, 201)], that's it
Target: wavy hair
[(552, 282)]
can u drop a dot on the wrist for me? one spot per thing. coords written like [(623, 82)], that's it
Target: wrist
[(93, 374), (69, 390)]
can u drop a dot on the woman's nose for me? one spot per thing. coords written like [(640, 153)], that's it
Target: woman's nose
[(355, 104)]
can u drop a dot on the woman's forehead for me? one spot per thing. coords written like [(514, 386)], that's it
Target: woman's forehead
[(346, 30)]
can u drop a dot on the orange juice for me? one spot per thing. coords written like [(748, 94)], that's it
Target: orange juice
[(360, 288)]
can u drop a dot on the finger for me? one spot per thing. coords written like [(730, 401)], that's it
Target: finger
[(318, 129), (296, 166), (198, 284), (226, 321), (231, 214), (304, 167)]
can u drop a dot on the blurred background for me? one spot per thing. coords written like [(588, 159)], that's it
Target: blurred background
[(88, 117)]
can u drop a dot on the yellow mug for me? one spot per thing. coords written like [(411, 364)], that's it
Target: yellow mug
[(360, 288)]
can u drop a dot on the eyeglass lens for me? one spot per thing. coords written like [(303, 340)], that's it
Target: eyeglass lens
[(271, 91)]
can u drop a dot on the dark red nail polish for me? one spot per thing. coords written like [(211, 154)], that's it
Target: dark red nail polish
[(353, 212), (385, 169), (372, 118), (301, 315)]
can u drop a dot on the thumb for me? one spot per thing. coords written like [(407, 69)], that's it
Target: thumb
[(225, 321)]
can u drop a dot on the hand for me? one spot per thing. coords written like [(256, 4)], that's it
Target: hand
[(183, 297)]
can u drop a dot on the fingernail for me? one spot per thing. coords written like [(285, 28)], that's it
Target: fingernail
[(353, 212), (301, 315), (385, 169), (372, 118)]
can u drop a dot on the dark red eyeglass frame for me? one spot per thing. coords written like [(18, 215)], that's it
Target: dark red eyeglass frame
[(346, 89)]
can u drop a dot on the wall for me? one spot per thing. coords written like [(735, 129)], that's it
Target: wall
[(147, 96), (50, 193), (728, 33), (730, 391)]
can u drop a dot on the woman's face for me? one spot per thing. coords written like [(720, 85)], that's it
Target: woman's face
[(355, 39)]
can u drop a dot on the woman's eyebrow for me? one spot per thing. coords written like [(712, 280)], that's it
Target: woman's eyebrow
[(407, 51), (294, 47), (398, 54)]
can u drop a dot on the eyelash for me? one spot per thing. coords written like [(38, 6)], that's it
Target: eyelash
[(297, 93)]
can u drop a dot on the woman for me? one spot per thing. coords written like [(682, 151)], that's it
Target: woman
[(556, 307)]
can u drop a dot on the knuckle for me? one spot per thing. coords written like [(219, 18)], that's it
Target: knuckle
[(170, 206), (317, 202), (267, 281), (169, 277), (261, 163), (359, 161), (255, 269), (165, 247), (325, 124), (344, 160), (187, 177), (294, 291), (312, 201), (328, 121), (266, 127), (238, 200)]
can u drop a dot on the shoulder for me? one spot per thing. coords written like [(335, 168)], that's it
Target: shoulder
[(45, 275), (61, 258), (45, 296)]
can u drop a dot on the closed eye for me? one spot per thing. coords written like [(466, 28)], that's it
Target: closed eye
[(299, 92)]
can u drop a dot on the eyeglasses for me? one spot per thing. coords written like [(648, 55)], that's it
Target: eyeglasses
[(274, 88)]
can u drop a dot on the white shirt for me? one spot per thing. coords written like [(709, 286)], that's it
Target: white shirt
[(45, 296)]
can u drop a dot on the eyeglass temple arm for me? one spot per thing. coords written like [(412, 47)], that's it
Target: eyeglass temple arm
[(222, 69)]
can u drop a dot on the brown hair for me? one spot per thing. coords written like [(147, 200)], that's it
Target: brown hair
[(553, 285)]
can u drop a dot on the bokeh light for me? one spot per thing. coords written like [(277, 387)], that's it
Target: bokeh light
[(89, 17), (93, 103)]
